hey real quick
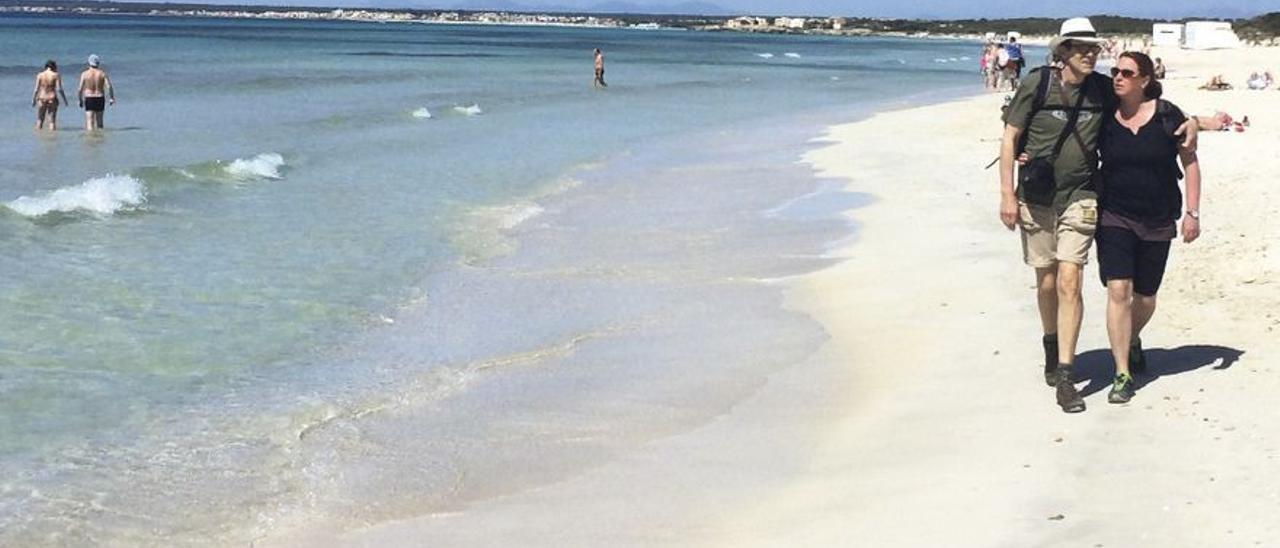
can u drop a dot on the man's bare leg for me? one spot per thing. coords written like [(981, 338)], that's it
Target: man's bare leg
[(1070, 311), (88, 121), (97, 118), (1120, 321), (1047, 298)]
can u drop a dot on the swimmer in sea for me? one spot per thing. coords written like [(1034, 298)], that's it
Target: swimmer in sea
[(599, 81), (94, 91), (45, 95)]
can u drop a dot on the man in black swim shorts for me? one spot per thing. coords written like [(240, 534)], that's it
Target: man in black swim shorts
[(94, 91)]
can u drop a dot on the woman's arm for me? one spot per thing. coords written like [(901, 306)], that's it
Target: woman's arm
[(1191, 221)]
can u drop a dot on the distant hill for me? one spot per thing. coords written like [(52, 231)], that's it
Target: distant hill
[(614, 6)]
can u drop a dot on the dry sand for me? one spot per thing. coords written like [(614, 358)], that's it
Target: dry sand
[(925, 421), (955, 440)]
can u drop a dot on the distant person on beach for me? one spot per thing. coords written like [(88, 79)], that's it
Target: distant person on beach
[(1259, 81), (45, 95), (1141, 204), (993, 73), (94, 91), (1002, 67), (1160, 70), (1015, 61), (599, 62), (1216, 83)]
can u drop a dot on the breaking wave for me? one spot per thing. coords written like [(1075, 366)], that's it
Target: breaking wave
[(263, 166), (101, 196)]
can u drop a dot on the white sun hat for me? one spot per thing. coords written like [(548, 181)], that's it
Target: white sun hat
[(1075, 29)]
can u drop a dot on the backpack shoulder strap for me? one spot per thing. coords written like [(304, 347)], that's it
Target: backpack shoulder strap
[(1045, 72)]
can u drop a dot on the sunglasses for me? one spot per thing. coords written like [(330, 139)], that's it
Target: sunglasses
[(1127, 73), (1084, 48)]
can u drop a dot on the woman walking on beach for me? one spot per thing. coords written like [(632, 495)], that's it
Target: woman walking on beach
[(1140, 203)]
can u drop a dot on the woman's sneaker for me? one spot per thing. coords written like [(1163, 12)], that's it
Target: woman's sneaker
[(1121, 389)]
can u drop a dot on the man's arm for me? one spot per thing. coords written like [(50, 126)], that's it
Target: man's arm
[(1190, 129), (80, 90), (63, 91), (111, 90), (1008, 199), (35, 92)]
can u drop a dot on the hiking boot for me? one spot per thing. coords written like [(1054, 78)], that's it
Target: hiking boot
[(1051, 359), (1121, 389), (1137, 360), (1068, 397)]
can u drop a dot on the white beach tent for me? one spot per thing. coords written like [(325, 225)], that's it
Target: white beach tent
[(1209, 35), (1166, 34)]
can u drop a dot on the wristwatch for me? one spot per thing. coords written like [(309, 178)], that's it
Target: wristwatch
[(1194, 214)]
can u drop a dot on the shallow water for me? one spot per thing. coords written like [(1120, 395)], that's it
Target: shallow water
[(364, 271)]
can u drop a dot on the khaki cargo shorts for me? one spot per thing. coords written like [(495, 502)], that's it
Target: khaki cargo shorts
[(1048, 238)]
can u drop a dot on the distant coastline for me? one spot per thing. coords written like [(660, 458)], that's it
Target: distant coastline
[(1260, 30)]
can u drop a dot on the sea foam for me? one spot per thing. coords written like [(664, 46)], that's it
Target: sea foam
[(422, 113), (473, 110), (263, 166), (765, 55), (99, 196), (792, 55)]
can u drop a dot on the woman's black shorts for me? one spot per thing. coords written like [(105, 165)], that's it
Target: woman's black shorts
[(1123, 256)]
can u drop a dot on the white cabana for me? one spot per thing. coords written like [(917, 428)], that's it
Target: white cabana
[(1166, 34), (1209, 35)]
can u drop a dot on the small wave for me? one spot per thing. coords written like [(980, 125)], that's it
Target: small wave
[(422, 113), (473, 110), (792, 55), (940, 60), (765, 55), (99, 196), (263, 166)]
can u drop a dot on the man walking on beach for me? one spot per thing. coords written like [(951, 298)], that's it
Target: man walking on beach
[(93, 92), (599, 61), (45, 95), (1056, 123)]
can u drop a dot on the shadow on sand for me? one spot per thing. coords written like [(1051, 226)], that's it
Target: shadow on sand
[(1098, 368)]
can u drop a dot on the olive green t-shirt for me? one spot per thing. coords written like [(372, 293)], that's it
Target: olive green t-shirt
[(1074, 168)]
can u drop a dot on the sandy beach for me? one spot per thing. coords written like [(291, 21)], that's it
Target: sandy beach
[(953, 441), (924, 421)]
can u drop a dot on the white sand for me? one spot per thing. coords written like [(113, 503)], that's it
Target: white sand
[(925, 421)]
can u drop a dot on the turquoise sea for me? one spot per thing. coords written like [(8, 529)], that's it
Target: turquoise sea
[(357, 272)]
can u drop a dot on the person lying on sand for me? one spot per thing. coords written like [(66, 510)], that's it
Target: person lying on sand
[(1216, 84), (1221, 121)]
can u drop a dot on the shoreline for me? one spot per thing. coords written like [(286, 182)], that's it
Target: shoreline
[(455, 526)]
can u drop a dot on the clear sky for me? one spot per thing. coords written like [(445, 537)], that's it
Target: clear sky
[(945, 9)]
